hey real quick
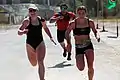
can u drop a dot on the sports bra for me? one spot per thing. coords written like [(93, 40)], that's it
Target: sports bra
[(81, 31)]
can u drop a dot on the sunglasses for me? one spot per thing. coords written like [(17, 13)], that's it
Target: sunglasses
[(63, 8), (32, 10)]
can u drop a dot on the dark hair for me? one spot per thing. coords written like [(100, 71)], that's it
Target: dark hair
[(63, 5), (82, 8)]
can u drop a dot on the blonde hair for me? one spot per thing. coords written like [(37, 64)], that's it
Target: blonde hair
[(81, 8)]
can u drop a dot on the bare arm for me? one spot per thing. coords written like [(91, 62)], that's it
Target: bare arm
[(55, 18), (67, 33), (22, 27), (72, 16), (92, 25), (48, 31)]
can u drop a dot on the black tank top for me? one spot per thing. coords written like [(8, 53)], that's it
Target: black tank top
[(35, 31), (81, 31)]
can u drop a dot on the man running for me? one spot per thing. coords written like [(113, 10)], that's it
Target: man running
[(62, 19)]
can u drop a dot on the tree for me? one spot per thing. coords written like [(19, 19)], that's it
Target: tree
[(9, 1), (78, 3), (25, 1)]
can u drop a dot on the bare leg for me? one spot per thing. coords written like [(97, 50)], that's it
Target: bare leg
[(64, 48), (40, 57), (90, 60), (62, 45), (31, 55), (69, 48), (80, 62)]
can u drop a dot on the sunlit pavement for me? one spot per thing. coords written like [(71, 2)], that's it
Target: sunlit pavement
[(15, 65)]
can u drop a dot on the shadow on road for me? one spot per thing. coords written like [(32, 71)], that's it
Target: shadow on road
[(112, 36), (61, 65)]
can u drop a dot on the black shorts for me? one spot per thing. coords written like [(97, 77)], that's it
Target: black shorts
[(60, 35), (83, 49)]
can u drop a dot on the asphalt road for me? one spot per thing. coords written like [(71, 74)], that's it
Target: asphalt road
[(14, 64)]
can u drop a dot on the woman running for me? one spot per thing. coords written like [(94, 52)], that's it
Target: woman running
[(32, 27), (81, 27)]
